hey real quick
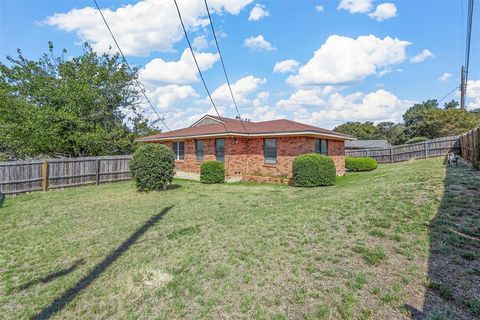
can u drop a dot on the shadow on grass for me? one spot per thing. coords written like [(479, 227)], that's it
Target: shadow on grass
[(71, 293), (52, 276), (453, 287), (2, 199), (173, 186)]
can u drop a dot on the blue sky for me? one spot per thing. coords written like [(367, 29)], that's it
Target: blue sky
[(319, 62)]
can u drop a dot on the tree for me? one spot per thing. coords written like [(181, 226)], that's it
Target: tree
[(393, 132), (415, 119), (451, 105), (69, 107), (364, 131)]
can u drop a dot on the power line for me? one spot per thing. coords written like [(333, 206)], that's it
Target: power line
[(223, 66), (198, 68), (129, 68), (469, 37), (448, 94)]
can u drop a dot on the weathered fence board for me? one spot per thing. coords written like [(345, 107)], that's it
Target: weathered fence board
[(470, 146), (25, 176), (421, 150)]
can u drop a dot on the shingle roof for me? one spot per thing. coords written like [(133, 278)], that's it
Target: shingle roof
[(235, 127), (367, 144)]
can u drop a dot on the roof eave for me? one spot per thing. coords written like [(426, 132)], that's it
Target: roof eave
[(251, 134)]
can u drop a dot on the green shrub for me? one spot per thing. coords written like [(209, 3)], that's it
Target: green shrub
[(313, 170), (416, 140), (212, 172), (360, 164), (152, 167)]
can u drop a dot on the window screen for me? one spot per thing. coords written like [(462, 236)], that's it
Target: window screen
[(199, 149), (179, 150), (220, 149), (321, 146), (270, 150)]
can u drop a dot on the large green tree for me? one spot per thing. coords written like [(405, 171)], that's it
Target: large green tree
[(69, 107), (360, 130)]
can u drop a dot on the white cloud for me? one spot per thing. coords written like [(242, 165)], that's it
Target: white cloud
[(355, 6), (260, 99), (258, 12), (166, 96), (444, 77), (384, 11), (143, 27), (319, 8), (313, 97), (473, 93), (242, 89), (335, 108), (258, 43), (179, 72), (264, 113), (289, 65), (200, 42), (422, 56), (343, 59)]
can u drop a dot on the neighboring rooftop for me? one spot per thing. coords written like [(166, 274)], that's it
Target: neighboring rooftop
[(211, 126), (367, 144)]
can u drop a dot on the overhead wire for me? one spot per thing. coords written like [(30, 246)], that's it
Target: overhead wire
[(142, 90), (198, 67), (223, 66)]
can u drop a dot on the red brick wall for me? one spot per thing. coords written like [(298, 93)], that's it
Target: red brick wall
[(244, 156)]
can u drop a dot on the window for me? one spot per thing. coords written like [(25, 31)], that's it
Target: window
[(199, 150), (270, 150), (220, 149), (321, 146), (179, 150)]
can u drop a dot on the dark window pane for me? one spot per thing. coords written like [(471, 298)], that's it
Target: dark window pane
[(220, 150), (199, 149), (270, 150), (321, 146), (181, 150)]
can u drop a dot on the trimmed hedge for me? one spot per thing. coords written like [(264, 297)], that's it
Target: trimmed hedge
[(212, 172), (313, 170), (152, 167), (360, 164)]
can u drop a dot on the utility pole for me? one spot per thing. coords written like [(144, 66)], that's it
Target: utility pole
[(462, 90)]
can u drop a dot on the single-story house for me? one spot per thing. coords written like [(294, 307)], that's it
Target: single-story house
[(259, 151), (366, 144)]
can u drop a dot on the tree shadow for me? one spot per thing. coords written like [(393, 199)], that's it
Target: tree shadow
[(173, 186), (101, 267), (52, 276), (453, 287), (2, 199)]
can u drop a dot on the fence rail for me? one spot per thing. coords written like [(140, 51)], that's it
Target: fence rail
[(421, 150), (25, 176), (470, 146)]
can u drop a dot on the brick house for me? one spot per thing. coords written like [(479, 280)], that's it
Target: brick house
[(257, 151)]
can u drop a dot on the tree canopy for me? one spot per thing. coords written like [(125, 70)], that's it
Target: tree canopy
[(69, 107), (423, 120)]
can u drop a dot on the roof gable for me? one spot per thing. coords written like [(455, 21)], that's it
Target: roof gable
[(206, 120)]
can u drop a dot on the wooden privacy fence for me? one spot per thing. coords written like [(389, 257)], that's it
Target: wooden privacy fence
[(470, 146), (25, 176), (421, 150)]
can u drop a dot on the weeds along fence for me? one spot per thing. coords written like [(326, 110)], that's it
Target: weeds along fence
[(421, 150), (470, 146), (25, 176)]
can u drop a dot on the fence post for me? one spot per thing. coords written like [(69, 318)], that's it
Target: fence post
[(97, 174), (366, 153), (45, 175), (391, 155), (426, 149)]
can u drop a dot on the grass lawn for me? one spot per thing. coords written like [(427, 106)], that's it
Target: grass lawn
[(401, 241)]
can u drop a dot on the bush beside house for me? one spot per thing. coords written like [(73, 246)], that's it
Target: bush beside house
[(212, 172), (360, 164), (313, 170), (152, 167)]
